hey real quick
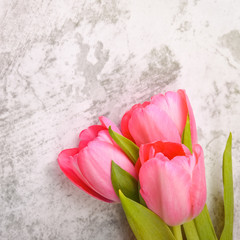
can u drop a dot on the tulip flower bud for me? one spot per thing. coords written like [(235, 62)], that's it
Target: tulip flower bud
[(89, 165), (172, 180), (161, 119)]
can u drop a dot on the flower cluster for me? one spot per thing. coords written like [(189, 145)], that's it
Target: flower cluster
[(171, 176)]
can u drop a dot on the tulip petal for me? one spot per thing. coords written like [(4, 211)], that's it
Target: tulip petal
[(138, 166), (168, 149), (125, 120), (104, 136), (107, 123), (95, 164), (175, 106), (165, 188), (150, 124), (67, 160), (89, 134), (198, 191), (191, 117)]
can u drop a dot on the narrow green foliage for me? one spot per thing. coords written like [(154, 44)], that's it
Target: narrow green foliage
[(186, 136), (204, 225), (125, 182), (145, 224), (190, 231), (141, 200), (130, 148), (228, 191)]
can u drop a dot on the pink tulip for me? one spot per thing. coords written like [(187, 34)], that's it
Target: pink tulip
[(172, 180), (89, 165), (161, 119)]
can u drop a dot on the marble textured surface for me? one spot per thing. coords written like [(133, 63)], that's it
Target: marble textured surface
[(64, 63)]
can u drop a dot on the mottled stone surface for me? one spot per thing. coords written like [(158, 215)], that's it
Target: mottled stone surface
[(64, 63)]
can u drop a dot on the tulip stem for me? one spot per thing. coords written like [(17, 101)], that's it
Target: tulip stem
[(190, 230), (177, 232)]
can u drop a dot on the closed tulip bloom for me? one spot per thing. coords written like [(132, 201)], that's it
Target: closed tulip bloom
[(161, 119), (172, 180), (89, 165)]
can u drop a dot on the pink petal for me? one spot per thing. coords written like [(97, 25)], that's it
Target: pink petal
[(124, 125), (175, 106), (198, 190), (191, 117), (67, 161), (106, 123), (95, 164), (89, 134), (168, 149), (127, 116), (150, 124), (138, 166), (104, 136), (165, 188)]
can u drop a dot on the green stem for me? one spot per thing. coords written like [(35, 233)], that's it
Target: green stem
[(177, 232), (204, 225), (190, 230)]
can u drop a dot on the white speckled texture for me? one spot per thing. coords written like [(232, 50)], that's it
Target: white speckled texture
[(64, 63)]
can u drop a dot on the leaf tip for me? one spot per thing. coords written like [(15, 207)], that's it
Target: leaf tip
[(113, 167), (121, 195), (229, 140), (110, 129), (230, 136)]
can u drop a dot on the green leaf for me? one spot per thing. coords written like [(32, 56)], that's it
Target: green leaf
[(204, 225), (190, 230), (228, 191), (141, 200), (130, 148), (145, 224), (124, 181), (186, 136), (203, 221)]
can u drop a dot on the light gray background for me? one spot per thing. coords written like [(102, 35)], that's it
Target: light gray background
[(64, 63)]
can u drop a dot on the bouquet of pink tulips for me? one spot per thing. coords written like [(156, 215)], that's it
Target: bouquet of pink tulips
[(154, 167)]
